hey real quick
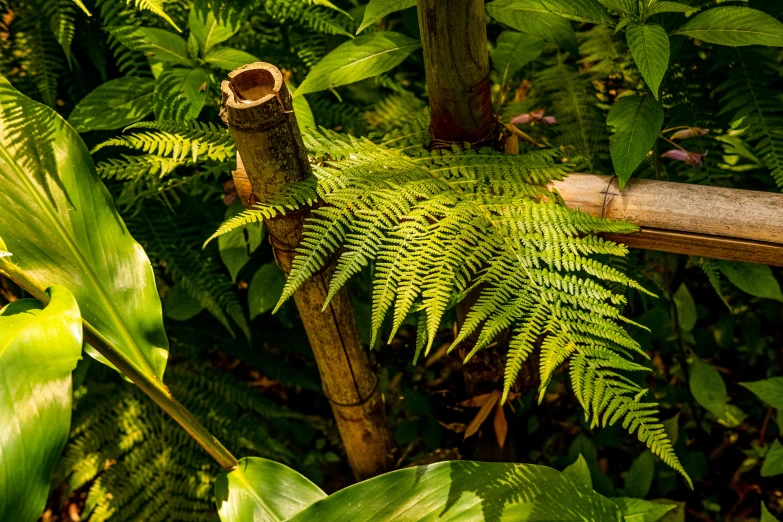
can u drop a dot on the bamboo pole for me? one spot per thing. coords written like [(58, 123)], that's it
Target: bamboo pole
[(257, 107), (716, 222), (456, 64)]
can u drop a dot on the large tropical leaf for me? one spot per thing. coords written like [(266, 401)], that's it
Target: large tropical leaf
[(531, 19), (114, 104), (637, 120), (458, 490), (263, 490), (734, 26), (358, 59), (61, 224), (590, 11), (39, 348)]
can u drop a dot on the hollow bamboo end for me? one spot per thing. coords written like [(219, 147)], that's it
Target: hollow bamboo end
[(252, 84)]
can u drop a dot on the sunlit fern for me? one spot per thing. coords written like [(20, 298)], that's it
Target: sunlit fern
[(436, 225)]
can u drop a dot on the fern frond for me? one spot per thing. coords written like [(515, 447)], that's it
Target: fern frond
[(755, 107), (135, 463), (580, 124), (153, 6), (174, 241), (177, 140), (438, 224), (320, 16)]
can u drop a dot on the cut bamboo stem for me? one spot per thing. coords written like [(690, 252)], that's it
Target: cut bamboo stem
[(257, 107), (715, 222)]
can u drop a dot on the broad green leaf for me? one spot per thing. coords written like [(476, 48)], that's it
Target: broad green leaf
[(236, 246), (161, 45), (464, 490), (735, 27), (580, 472), (208, 30), (377, 9), (180, 94), (756, 280), (665, 6), (768, 390), (638, 510), (773, 463), (551, 28), (590, 11), (649, 46), (39, 348), (265, 289), (640, 475), (261, 490), (637, 121), (732, 416), (228, 58), (686, 308), (60, 222), (358, 59), (114, 104), (304, 114), (707, 387), (180, 305), (515, 50), (623, 6), (766, 516)]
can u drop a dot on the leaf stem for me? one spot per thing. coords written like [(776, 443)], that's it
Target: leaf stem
[(154, 388)]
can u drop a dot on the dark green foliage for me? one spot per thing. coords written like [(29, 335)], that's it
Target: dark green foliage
[(135, 463)]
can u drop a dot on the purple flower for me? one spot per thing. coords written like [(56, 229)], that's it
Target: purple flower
[(690, 132), (535, 116), (691, 158)]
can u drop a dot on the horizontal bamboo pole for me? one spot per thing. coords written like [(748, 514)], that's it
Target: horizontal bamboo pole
[(721, 223)]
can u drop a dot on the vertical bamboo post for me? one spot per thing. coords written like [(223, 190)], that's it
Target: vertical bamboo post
[(456, 63), (257, 107)]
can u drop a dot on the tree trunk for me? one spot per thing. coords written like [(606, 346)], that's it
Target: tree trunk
[(456, 62), (257, 107)]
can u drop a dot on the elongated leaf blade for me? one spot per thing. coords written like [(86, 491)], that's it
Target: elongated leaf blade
[(707, 387), (377, 9), (180, 94), (768, 390), (637, 121), (229, 59), (665, 6), (114, 105), (358, 59), (735, 27), (536, 22), (209, 30), (756, 280), (638, 510), (464, 490), (61, 224), (263, 490), (157, 43), (515, 50), (590, 11), (649, 46), (39, 348), (773, 462)]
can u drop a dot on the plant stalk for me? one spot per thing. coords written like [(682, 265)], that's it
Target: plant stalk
[(155, 389), (258, 109)]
